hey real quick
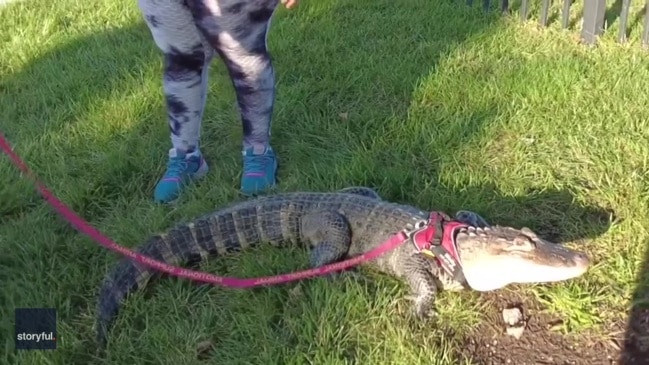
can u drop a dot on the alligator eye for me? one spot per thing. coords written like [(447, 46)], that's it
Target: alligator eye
[(528, 232), (524, 243)]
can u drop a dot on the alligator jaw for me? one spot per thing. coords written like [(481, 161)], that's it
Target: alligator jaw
[(494, 257)]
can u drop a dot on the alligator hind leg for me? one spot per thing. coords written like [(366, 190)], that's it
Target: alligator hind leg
[(328, 234), (471, 218), (361, 190)]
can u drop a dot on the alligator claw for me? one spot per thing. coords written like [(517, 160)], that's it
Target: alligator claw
[(422, 307), (423, 313)]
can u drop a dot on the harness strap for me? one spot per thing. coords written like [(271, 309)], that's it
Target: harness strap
[(436, 241)]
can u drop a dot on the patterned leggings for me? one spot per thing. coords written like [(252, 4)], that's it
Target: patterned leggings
[(188, 32)]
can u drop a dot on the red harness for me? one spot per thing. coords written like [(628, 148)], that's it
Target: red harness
[(436, 240)]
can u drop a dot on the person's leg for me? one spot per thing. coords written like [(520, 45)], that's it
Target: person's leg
[(186, 66), (237, 30)]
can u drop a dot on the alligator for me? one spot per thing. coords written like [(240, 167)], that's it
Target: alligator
[(441, 253)]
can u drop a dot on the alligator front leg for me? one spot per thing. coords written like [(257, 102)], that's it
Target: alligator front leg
[(422, 285)]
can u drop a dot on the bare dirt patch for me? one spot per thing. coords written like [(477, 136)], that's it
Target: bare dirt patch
[(489, 343)]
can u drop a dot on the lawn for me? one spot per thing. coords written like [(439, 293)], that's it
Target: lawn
[(431, 103)]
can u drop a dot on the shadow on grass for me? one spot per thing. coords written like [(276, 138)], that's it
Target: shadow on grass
[(373, 67), (635, 346), (47, 107), (636, 337)]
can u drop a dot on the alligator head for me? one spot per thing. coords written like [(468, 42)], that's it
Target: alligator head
[(493, 257)]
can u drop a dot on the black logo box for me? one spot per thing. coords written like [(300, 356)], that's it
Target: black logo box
[(35, 328)]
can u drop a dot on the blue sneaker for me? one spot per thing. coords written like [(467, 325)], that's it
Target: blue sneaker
[(181, 170), (259, 171)]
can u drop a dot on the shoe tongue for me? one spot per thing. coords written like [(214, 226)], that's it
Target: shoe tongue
[(256, 150), (174, 153)]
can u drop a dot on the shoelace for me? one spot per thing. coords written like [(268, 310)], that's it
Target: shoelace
[(176, 166), (257, 163)]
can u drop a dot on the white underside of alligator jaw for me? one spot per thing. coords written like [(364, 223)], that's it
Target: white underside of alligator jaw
[(488, 276)]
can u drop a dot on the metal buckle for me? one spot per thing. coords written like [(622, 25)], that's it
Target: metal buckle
[(417, 227)]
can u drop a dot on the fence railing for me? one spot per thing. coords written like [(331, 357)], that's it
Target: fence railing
[(594, 13)]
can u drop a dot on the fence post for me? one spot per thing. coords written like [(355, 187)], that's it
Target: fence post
[(524, 9), (545, 8), (504, 7), (645, 30), (624, 19), (593, 20), (565, 13)]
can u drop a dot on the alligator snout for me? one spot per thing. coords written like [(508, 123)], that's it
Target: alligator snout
[(581, 259)]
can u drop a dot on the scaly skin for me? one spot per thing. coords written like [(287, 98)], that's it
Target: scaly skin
[(344, 224)]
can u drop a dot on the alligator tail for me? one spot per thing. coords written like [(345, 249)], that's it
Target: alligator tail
[(183, 245)]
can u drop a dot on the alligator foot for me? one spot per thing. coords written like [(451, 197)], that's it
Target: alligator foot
[(422, 307)]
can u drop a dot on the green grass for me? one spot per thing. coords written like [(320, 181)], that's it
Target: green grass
[(431, 103)]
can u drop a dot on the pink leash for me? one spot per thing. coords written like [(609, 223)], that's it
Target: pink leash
[(82, 226)]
